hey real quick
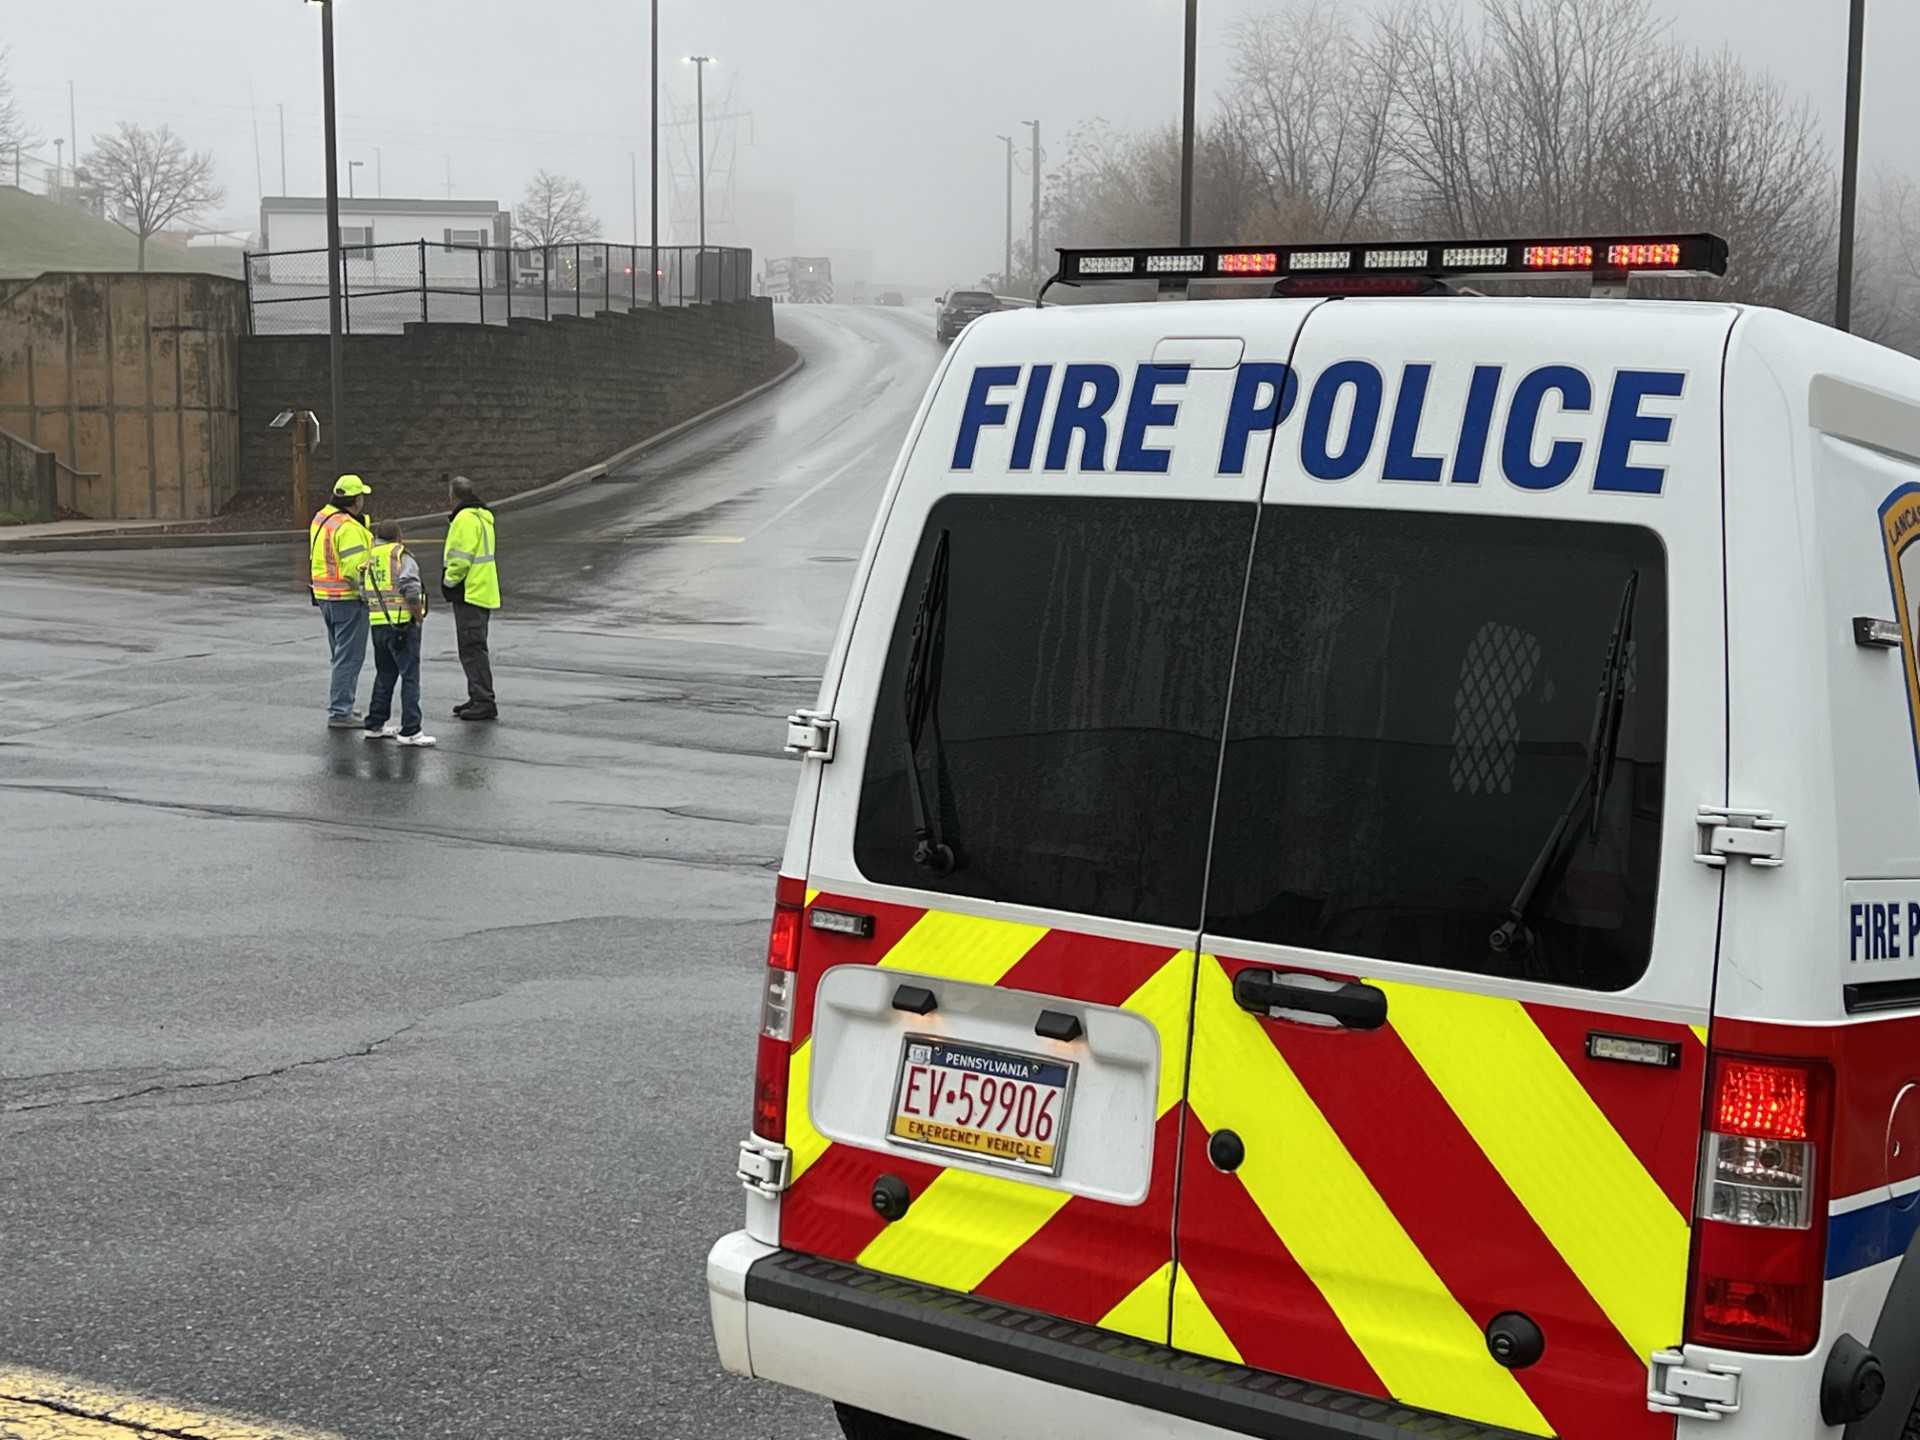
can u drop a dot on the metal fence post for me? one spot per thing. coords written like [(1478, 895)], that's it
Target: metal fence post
[(633, 276), (546, 282), (606, 259), (246, 262), (577, 277), (480, 277), (423, 280), (346, 292)]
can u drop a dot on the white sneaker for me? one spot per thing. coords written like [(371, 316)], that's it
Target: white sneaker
[(389, 731), (416, 739)]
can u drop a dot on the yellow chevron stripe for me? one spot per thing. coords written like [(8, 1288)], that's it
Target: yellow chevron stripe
[(1163, 999), (1563, 1160), (806, 1143), (962, 947), (960, 1229), (1424, 1347), (1699, 1033), (812, 895), (1143, 1313), (1194, 1322)]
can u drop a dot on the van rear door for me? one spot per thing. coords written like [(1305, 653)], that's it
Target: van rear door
[(1458, 959), (995, 973)]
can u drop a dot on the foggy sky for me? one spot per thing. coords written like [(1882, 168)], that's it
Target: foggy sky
[(877, 116)]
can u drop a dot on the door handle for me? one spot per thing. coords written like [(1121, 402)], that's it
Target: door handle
[(1354, 1005)]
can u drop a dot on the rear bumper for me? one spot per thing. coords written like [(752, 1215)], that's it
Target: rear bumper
[(971, 1368)]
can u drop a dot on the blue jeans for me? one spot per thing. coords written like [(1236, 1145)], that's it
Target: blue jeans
[(396, 656), (347, 645)]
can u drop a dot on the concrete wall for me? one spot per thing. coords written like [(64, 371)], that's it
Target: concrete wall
[(132, 377), (27, 485), (508, 405)]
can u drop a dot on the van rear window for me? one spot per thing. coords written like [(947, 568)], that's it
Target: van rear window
[(1420, 704), (1052, 705)]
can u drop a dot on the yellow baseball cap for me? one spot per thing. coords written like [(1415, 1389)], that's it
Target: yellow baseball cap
[(348, 486)]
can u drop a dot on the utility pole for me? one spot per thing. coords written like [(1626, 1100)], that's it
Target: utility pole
[(1006, 269), (1850, 167), (653, 163), (336, 345), (700, 63), (283, 147), (1186, 127), (633, 192), (253, 119), (57, 144), (352, 165), (73, 129), (1033, 260)]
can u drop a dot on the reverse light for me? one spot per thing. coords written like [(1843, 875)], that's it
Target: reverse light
[(1106, 265), (1474, 257), (772, 1061), (1644, 255), (1395, 259), (1249, 262), (1320, 260), (1191, 264), (1557, 257), (1759, 1259)]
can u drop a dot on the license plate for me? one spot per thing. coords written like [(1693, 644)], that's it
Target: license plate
[(998, 1106)]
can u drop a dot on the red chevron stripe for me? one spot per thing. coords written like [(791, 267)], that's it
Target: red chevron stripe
[(1086, 967), (1256, 1290), (829, 1212), (1657, 1112), (821, 950), (1479, 1239), (1091, 1255)]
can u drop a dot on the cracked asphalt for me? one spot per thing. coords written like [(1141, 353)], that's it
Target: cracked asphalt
[(396, 1092)]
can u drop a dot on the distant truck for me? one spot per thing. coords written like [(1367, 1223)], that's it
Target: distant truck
[(800, 280)]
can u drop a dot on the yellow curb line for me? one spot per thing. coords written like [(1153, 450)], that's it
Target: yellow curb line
[(38, 1405)]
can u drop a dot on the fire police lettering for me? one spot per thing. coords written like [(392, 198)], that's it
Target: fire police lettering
[(1030, 408), (1523, 422), (1474, 424), (1626, 425), (1315, 458), (1143, 410), (982, 409), (1263, 395), (1087, 393), (1402, 463)]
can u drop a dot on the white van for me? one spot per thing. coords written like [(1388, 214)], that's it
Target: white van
[(1357, 873)]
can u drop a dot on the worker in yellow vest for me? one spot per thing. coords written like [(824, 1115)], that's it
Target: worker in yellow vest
[(338, 546), (396, 613), (471, 583)]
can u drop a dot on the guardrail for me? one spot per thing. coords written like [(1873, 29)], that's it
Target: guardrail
[(387, 286)]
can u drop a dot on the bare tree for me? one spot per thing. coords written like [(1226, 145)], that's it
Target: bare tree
[(15, 134), (554, 210), (149, 179), (1886, 277)]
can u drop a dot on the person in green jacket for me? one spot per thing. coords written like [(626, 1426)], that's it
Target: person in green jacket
[(471, 583)]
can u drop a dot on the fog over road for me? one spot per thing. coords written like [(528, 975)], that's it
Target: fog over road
[(397, 1092)]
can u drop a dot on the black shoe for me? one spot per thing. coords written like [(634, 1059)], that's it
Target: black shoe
[(462, 708), (467, 712)]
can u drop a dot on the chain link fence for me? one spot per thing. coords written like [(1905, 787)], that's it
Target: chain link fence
[(385, 287)]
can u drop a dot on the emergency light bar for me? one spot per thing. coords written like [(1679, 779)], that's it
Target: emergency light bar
[(1607, 258)]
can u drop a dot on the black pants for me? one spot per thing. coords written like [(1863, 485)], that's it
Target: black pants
[(470, 627)]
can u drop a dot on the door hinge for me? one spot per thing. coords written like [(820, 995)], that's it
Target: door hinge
[(1726, 831), (811, 735), (765, 1167), (1700, 1392)]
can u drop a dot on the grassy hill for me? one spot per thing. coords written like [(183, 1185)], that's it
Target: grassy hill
[(37, 235)]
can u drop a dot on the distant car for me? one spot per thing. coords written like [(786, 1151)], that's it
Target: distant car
[(959, 307), (892, 297)]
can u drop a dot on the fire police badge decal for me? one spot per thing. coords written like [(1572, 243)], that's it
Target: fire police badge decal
[(1900, 529)]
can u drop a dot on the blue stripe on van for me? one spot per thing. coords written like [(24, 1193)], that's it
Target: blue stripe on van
[(1871, 1234)]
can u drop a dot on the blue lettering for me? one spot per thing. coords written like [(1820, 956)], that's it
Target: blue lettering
[(1893, 931), (1087, 393), (1314, 456), (1028, 430), (1523, 418), (1879, 932), (1474, 424), (1626, 425), (1858, 927), (1250, 411), (1401, 462), (1913, 922), (982, 411), (1144, 410)]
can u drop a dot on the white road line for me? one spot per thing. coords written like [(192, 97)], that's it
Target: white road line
[(812, 491)]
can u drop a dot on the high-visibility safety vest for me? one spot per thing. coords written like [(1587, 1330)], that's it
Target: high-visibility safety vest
[(337, 546), (380, 586), (469, 557)]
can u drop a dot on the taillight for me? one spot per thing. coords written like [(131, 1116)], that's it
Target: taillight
[(776, 1011), (1760, 1249)]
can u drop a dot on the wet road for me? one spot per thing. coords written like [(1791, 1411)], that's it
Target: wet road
[(396, 1093)]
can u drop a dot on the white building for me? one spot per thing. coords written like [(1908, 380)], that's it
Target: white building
[(382, 237)]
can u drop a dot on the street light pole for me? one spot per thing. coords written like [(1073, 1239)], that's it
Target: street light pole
[(653, 164), (1006, 271), (1033, 259), (336, 347), (1850, 168), (352, 165), (700, 63), (1186, 127)]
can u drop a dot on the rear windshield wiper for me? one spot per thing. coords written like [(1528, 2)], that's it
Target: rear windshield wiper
[(926, 660), (1603, 744)]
